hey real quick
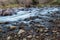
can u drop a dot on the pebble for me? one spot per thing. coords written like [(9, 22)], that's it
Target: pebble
[(24, 39), (9, 38), (54, 31), (46, 30), (30, 36), (41, 29), (1, 30), (37, 36), (12, 27), (21, 31)]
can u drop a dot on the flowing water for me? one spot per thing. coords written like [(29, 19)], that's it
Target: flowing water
[(23, 14), (26, 13)]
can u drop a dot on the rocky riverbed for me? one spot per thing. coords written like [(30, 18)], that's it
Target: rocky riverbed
[(30, 23)]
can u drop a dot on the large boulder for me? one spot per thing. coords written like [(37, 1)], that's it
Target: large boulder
[(7, 12)]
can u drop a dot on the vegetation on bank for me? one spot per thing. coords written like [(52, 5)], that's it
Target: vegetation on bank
[(34, 3), (10, 6)]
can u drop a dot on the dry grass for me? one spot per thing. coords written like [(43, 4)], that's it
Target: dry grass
[(10, 6)]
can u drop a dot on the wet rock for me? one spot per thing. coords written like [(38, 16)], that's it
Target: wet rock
[(26, 19)]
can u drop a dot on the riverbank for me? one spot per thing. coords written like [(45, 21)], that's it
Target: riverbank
[(18, 6)]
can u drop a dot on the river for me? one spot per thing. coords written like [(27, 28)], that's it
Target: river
[(21, 15)]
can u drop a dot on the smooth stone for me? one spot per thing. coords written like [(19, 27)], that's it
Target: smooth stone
[(24, 39), (30, 36), (9, 38), (1, 30), (11, 27), (21, 31)]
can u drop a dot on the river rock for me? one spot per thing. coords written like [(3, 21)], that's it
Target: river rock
[(11, 27), (21, 31), (1, 30), (7, 12), (30, 36), (46, 30), (42, 29), (9, 38), (24, 39)]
